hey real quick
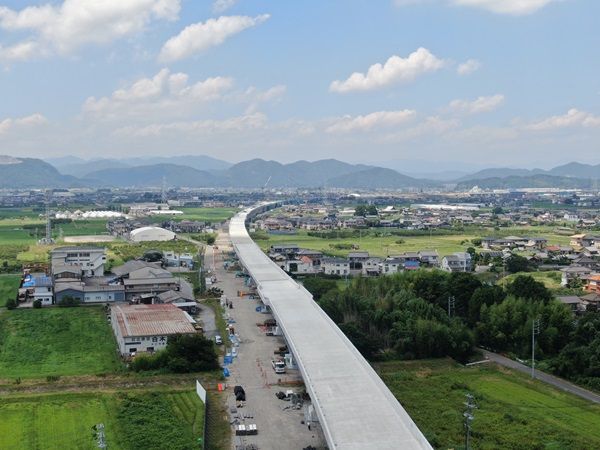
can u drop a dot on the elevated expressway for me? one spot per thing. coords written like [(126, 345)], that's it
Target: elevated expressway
[(355, 408)]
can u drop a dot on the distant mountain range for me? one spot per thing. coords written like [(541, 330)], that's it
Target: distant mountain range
[(205, 171), (72, 165)]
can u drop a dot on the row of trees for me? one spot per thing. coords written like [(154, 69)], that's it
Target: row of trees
[(424, 314), (184, 353)]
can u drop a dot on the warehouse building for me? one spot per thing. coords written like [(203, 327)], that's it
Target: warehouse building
[(147, 328), (144, 234)]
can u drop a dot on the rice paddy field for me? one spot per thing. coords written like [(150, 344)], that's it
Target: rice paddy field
[(134, 420), (513, 412), (212, 215), (36, 343)]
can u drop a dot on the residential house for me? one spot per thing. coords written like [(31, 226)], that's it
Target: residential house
[(574, 273), (335, 266), (457, 262), (429, 258), (356, 260), (593, 284), (371, 267)]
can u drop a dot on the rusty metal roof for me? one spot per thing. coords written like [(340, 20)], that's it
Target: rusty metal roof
[(152, 320)]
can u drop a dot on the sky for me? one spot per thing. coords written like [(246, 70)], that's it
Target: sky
[(421, 85)]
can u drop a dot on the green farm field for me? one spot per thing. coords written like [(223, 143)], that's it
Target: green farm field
[(213, 215), (513, 412), (136, 420), (376, 245), (8, 287), (56, 341), (390, 245)]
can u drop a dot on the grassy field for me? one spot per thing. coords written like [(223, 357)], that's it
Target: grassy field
[(392, 245), (213, 215), (81, 228), (551, 279), (8, 287), (172, 420), (376, 246), (512, 412), (59, 341)]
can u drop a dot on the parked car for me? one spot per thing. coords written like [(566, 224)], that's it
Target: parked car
[(218, 340), (278, 366)]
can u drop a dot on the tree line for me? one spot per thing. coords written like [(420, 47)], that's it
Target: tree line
[(426, 314)]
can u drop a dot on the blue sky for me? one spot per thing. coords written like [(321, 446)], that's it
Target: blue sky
[(448, 83)]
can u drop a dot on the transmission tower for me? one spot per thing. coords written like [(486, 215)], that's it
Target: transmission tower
[(163, 192), (46, 240)]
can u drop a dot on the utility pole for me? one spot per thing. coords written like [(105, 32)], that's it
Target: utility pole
[(468, 415), (451, 305), (535, 330), (99, 435)]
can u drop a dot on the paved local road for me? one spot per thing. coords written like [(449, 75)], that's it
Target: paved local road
[(279, 426), (542, 376)]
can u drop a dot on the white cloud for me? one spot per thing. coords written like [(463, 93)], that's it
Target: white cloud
[(75, 23), (394, 70), (368, 122), (254, 121), (255, 97), (10, 124), (573, 118), (203, 35), (164, 93), (21, 51), (430, 127), (513, 7), (220, 6), (468, 67), (479, 105)]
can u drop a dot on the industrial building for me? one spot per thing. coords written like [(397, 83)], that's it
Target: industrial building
[(147, 328), (144, 234), (89, 260)]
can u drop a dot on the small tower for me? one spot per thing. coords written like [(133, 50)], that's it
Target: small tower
[(47, 240)]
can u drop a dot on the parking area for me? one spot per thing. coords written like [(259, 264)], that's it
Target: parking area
[(280, 423)]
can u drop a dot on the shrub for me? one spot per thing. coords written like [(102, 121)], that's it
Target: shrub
[(11, 303), (37, 303), (68, 301)]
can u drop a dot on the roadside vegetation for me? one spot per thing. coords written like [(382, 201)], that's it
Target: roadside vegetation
[(430, 313), (183, 354), (513, 412)]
